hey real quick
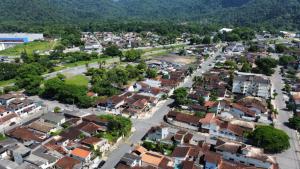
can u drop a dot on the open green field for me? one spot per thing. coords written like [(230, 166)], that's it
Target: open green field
[(6, 82), (79, 80), (29, 47)]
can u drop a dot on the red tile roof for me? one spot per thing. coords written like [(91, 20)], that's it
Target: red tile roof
[(25, 134), (207, 119), (79, 152), (92, 128), (67, 163), (209, 104), (212, 157), (90, 140)]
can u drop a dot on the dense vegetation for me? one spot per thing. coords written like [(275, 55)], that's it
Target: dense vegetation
[(8, 71), (272, 140), (294, 122), (118, 127), (57, 89), (108, 82), (103, 14)]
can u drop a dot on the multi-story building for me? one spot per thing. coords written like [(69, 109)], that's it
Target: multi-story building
[(250, 84)]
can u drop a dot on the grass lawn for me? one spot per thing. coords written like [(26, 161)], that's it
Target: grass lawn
[(79, 80), (6, 82), (80, 63), (29, 47), (2, 137)]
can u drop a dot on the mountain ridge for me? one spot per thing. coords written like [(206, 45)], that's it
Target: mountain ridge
[(278, 13)]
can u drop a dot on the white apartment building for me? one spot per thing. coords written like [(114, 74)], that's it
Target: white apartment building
[(250, 84)]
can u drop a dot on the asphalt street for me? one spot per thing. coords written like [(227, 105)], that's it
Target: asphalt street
[(142, 126), (288, 159)]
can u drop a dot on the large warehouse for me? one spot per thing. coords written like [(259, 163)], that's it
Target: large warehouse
[(8, 40)]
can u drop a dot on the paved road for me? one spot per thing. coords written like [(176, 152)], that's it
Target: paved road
[(288, 159), (142, 126)]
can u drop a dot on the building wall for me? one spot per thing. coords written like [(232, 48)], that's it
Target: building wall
[(243, 159), (184, 125)]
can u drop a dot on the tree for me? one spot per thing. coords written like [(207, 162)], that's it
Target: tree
[(253, 48), (29, 77), (294, 122), (291, 106), (201, 101), (180, 96), (230, 64), (266, 65), (280, 48), (25, 58), (142, 67), (206, 40), (195, 40), (133, 72), (70, 94), (61, 77), (151, 73), (246, 67), (57, 110), (8, 71), (216, 39), (8, 89), (182, 52), (286, 60), (112, 50), (133, 55), (272, 140), (287, 88)]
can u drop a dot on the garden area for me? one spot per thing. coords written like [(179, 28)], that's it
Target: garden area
[(79, 80), (118, 127), (165, 149)]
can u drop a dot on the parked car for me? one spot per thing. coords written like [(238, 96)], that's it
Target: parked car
[(101, 164)]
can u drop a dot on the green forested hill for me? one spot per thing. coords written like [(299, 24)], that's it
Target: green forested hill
[(278, 13)]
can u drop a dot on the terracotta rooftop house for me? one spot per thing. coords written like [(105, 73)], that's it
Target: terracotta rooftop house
[(235, 129), (92, 128), (210, 104), (90, 141), (8, 118), (141, 97), (52, 145), (245, 110), (156, 160), (81, 154), (68, 163), (95, 119), (185, 153), (24, 134), (140, 150), (189, 120), (189, 165), (41, 126), (208, 118), (169, 83), (212, 157), (183, 137), (254, 103), (231, 165)]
